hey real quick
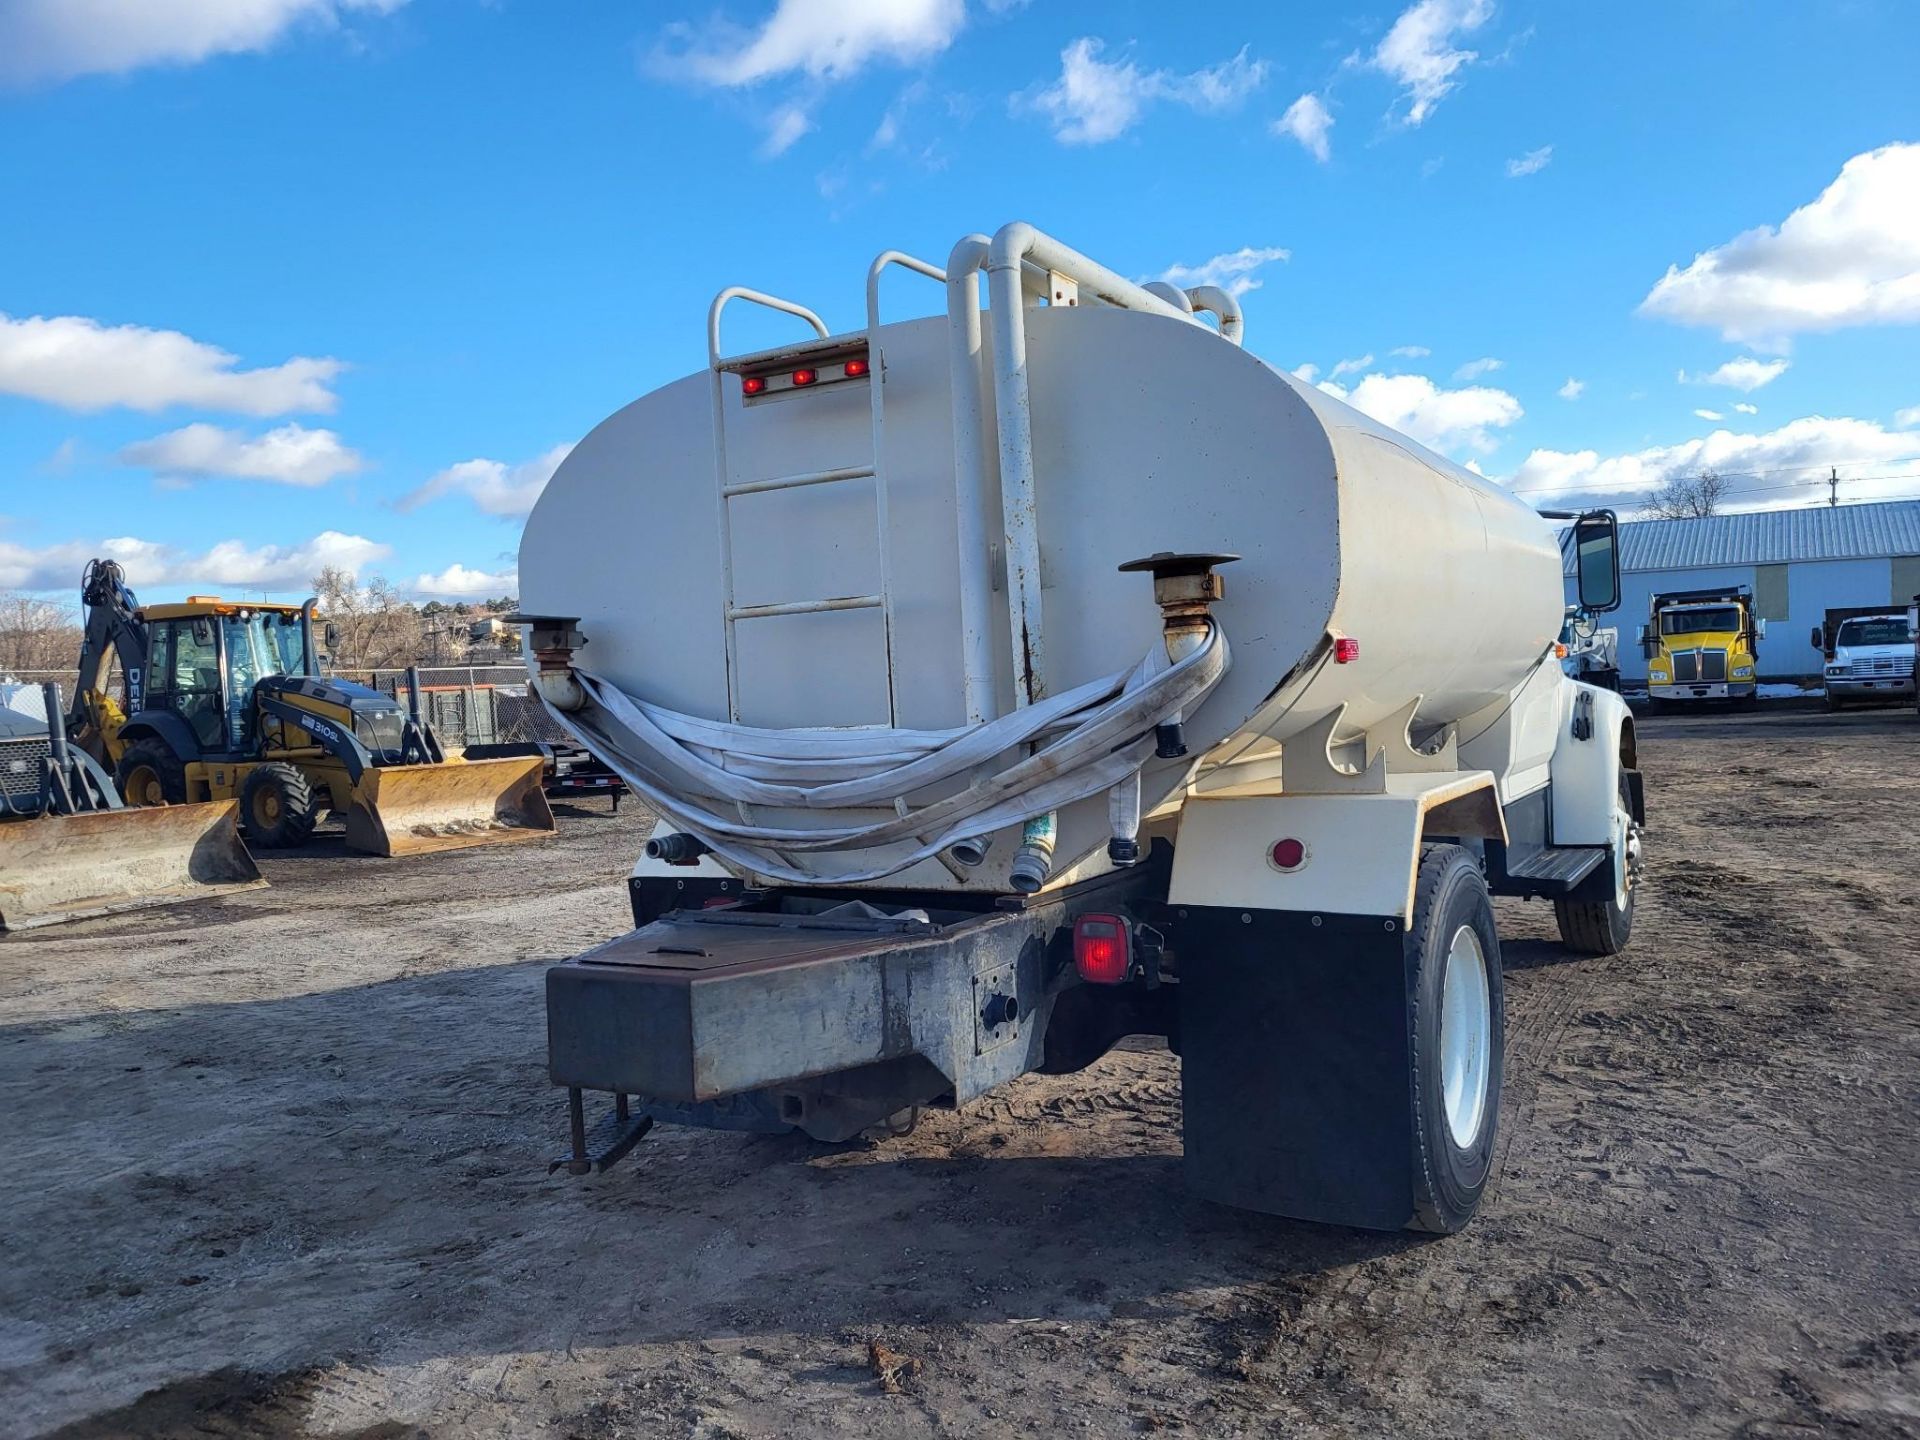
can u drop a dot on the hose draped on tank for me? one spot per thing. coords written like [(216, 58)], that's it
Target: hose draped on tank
[(703, 775)]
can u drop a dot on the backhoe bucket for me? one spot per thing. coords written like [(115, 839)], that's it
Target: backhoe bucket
[(417, 809), (70, 867)]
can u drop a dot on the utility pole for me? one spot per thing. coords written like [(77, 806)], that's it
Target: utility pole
[(1833, 485)]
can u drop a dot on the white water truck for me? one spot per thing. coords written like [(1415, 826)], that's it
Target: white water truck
[(1014, 680)]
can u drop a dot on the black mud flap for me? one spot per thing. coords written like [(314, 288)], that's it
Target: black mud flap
[(1297, 1064)]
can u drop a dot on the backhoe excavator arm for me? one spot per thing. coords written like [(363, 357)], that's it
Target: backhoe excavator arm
[(113, 629)]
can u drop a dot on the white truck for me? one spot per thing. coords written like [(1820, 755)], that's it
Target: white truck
[(975, 750), (1868, 656)]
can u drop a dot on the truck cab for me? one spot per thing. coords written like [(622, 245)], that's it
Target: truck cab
[(1869, 657), (1701, 645)]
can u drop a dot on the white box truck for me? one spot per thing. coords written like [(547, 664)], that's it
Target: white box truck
[(1017, 679)]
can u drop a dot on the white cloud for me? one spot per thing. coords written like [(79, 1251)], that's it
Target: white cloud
[(1746, 409), (1745, 373), (1572, 390), (1233, 272), (1851, 257), (1474, 369), (231, 563), (784, 128), (1351, 367), (1445, 420), (50, 40), (1531, 163), (1410, 352), (1308, 120), (457, 582), (494, 487), (1709, 415), (1907, 417), (80, 364), (1765, 469), (1308, 372), (287, 455), (822, 39), (1420, 52), (1096, 100)]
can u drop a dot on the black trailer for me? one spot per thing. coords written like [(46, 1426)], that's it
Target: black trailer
[(572, 772)]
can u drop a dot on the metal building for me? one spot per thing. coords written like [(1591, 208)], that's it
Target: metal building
[(1799, 563)]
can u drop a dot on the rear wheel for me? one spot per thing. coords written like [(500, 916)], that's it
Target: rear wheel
[(277, 806), (149, 773), (1458, 1030)]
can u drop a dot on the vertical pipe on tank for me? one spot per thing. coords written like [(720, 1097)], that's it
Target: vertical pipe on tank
[(1013, 408), (970, 475)]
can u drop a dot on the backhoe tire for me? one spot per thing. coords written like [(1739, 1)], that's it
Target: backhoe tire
[(149, 773), (277, 809)]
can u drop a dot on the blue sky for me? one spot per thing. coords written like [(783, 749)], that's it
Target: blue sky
[(289, 282)]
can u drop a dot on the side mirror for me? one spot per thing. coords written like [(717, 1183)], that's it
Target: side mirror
[(332, 636), (1759, 629), (1819, 640), (1596, 566)]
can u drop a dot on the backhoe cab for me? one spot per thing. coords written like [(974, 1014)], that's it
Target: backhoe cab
[(227, 699)]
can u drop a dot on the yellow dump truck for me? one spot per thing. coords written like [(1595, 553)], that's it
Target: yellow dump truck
[(1702, 645), (226, 700)]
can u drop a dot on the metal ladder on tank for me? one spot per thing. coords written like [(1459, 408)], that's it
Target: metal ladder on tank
[(726, 489)]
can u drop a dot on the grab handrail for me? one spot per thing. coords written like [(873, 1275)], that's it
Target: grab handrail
[(758, 297), (906, 262)]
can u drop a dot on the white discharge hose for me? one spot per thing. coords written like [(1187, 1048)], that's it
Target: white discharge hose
[(703, 775)]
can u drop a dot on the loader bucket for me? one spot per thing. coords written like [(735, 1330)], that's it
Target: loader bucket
[(69, 867), (417, 809)]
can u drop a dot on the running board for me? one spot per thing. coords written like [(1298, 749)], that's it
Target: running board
[(1555, 872)]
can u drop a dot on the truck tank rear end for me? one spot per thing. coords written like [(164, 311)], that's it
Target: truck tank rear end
[(1011, 681)]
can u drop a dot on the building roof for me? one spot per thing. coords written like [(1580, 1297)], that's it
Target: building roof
[(1771, 537)]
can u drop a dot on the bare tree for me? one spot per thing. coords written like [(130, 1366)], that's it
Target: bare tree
[(1687, 497), (37, 634), (378, 629)]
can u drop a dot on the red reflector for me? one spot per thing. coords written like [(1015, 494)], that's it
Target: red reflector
[(753, 384), (1288, 854), (805, 377), (856, 368), (1346, 650), (1102, 949)]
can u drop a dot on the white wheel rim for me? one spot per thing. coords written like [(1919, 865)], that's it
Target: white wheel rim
[(1466, 1037)]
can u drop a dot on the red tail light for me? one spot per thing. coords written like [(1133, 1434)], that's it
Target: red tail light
[(753, 384), (856, 368), (1346, 650), (805, 377), (1102, 949)]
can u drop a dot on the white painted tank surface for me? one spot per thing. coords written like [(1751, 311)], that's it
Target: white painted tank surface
[(1150, 433)]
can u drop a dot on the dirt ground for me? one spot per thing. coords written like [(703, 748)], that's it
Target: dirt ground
[(275, 1165)]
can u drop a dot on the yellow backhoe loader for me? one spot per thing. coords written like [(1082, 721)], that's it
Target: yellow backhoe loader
[(225, 699), (70, 849)]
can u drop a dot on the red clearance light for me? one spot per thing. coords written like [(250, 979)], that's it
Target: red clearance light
[(1288, 854), (805, 377), (1102, 950), (1346, 650), (753, 384), (856, 368)]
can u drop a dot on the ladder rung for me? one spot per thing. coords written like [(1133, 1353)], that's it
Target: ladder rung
[(805, 607), (794, 482)]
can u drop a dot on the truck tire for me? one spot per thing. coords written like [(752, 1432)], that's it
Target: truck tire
[(1603, 927), (149, 773), (1457, 1027), (276, 807)]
